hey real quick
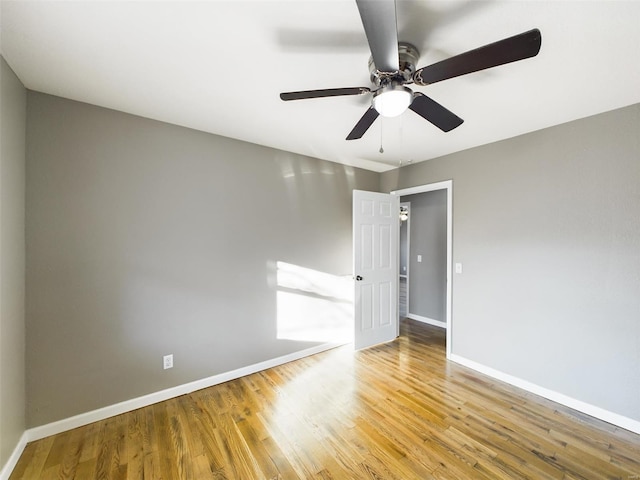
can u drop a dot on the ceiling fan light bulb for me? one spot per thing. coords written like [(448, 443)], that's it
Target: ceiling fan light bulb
[(391, 102)]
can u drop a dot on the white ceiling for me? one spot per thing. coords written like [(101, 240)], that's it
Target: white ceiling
[(218, 66)]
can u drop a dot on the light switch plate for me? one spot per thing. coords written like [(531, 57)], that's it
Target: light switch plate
[(458, 268)]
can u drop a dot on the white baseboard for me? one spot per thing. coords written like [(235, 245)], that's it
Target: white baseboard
[(591, 410), (13, 458), (60, 426), (430, 321)]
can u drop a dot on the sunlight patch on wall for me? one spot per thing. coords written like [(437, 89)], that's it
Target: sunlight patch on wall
[(313, 306)]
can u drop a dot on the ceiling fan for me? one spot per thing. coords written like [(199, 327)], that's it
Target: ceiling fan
[(393, 66)]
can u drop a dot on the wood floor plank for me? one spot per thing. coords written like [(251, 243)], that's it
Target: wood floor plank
[(393, 411), (168, 464), (135, 445), (71, 455)]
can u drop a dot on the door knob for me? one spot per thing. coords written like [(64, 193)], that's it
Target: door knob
[(358, 278)]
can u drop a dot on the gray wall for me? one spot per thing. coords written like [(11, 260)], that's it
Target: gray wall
[(428, 279), (145, 239), (12, 260), (546, 225)]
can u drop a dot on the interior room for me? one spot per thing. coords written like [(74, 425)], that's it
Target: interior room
[(176, 241)]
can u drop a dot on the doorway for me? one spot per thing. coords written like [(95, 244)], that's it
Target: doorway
[(413, 255)]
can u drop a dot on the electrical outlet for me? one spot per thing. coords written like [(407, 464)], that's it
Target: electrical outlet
[(167, 361)]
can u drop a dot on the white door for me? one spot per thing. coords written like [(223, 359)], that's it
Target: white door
[(376, 227)]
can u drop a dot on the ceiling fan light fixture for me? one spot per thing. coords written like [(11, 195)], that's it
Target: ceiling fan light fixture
[(404, 213), (392, 100)]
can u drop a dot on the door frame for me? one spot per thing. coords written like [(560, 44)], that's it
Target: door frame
[(430, 187), (408, 247)]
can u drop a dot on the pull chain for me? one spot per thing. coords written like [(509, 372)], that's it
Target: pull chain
[(381, 149)]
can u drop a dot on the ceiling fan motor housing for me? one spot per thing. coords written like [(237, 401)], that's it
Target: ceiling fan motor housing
[(408, 57)]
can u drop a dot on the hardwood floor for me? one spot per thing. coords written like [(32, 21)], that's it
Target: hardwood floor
[(395, 411)]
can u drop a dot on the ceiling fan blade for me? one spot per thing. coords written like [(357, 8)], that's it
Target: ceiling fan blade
[(434, 112), (327, 92), (363, 124), (379, 22), (512, 49)]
